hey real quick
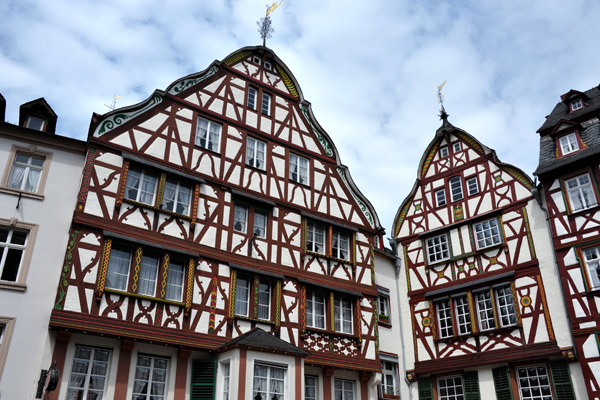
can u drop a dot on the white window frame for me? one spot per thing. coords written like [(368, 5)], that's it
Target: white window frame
[(211, 135), (383, 305), (313, 300), (26, 249), (151, 375), (456, 190), (440, 197), (252, 93), (456, 147), (225, 378), (463, 314), (88, 374), (340, 244), (148, 274), (533, 379), (242, 283), (256, 60), (142, 193), (438, 248), (576, 104), (269, 393), (485, 310), (344, 389), (256, 153), (175, 288), (450, 388), (340, 306), (267, 65), (240, 218), (581, 190), (263, 308), (389, 378), (115, 270), (568, 143), (180, 203), (505, 303), (472, 186), (444, 152), (487, 233), (7, 326), (28, 168), (314, 385), (265, 105), (298, 169), (444, 318), (36, 123), (261, 219), (316, 236), (591, 259)]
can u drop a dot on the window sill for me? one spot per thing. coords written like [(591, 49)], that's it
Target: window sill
[(584, 211), (217, 153), (467, 255), (161, 210), (593, 292), (390, 396), (18, 287), (385, 323), (260, 321), (299, 183), (257, 169), (312, 253), (144, 297), (480, 333), (308, 330), (22, 193)]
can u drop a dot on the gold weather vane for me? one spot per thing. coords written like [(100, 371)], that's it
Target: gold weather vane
[(264, 24), (113, 105)]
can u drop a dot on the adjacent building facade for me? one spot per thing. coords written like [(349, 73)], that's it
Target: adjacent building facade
[(569, 174), (219, 249), (485, 317), (40, 175)]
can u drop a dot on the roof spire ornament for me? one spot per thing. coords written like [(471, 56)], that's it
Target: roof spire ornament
[(440, 97), (265, 27)]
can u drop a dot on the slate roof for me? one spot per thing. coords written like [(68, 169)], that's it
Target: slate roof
[(258, 339), (587, 123)]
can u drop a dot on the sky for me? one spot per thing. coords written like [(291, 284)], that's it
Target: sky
[(370, 69)]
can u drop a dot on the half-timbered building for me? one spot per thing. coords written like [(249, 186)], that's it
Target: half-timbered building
[(487, 321), (218, 249), (569, 174)]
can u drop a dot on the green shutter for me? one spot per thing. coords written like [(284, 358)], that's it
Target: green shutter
[(502, 383), (561, 379), (425, 389), (204, 374), (471, 385)]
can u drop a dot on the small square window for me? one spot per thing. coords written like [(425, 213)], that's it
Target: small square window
[(256, 60), (443, 151), (487, 233), (576, 104), (267, 65), (457, 146), (450, 388), (568, 143), (438, 249), (472, 187), (440, 197)]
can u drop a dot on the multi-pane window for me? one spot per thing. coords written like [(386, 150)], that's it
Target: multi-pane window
[(88, 373), (576, 104), (485, 311), (315, 310), (258, 217), (591, 258), (506, 306), (255, 153), (26, 172), (266, 104), (389, 378), (208, 134), (142, 186), (340, 244), (534, 383), (456, 188), (437, 248), (444, 317), (487, 233), (472, 187), (343, 389), (456, 146), (153, 266), (225, 374), (440, 197), (580, 192), (383, 305), (450, 388), (343, 320), (252, 98), (315, 237), (298, 169), (13, 244), (249, 306), (310, 387), (443, 151), (568, 143), (463, 316), (150, 378), (269, 382)]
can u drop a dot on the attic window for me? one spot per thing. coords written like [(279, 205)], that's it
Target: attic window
[(576, 105), (267, 65), (35, 123), (443, 151), (256, 60)]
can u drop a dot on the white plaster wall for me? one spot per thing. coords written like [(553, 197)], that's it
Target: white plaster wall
[(29, 350)]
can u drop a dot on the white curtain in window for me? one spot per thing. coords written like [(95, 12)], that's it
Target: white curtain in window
[(169, 196), (174, 282), (16, 177), (33, 179), (148, 273)]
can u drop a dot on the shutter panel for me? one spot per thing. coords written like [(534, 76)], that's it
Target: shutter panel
[(502, 383), (561, 379), (471, 385), (425, 389), (203, 380)]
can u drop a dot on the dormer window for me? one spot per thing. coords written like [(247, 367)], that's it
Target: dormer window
[(35, 123), (568, 144), (256, 60), (576, 105)]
